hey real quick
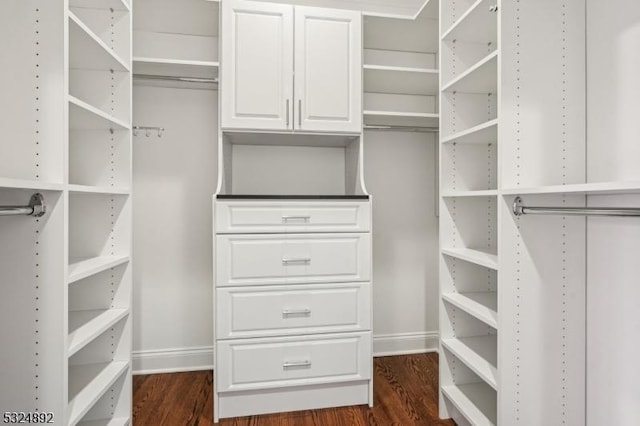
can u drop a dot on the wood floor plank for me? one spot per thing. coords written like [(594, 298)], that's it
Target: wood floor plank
[(405, 394)]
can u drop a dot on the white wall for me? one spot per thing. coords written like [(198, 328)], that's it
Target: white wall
[(173, 180), (613, 290), (400, 173)]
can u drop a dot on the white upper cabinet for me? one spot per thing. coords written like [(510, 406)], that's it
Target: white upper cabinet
[(328, 69), (257, 65), (258, 68)]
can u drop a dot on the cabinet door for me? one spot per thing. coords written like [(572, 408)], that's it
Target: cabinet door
[(257, 65), (328, 72)]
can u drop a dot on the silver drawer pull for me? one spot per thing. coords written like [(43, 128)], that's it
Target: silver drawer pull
[(288, 312), (286, 219), (292, 364), (294, 260)]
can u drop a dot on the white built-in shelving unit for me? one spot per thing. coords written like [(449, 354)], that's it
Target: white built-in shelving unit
[(401, 72), (66, 276), (469, 376), (512, 310)]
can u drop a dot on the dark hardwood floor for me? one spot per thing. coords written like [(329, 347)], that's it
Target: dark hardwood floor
[(405, 393)]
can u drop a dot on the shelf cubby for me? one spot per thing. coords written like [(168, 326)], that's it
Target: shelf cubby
[(477, 23), (400, 80), (84, 268), (463, 112), (99, 225), (107, 92), (470, 229), (98, 39), (475, 402), (401, 110), (480, 305), (484, 133), (99, 160), (311, 164), (471, 285), (83, 116), (479, 353), (401, 70), (482, 77), (85, 326), (88, 383), (469, 169), (184, 31), (476, 257), (176, 67)]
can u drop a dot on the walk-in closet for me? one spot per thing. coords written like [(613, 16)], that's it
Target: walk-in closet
[(319, 212)]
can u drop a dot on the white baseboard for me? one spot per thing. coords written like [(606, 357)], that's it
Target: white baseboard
[(405, 343), (173, 360), (176, 360)]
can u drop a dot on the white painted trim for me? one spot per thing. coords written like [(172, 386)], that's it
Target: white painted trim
[(175, 360), (405, 343)]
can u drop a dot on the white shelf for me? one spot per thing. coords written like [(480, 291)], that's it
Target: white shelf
[(479, 193), (481, 77), (87, 189), (171, 46), (477, 25), (85, 326), (481, 134), (83, 116), (399, 118), (410, 81), (599, 188), (175, 67), (477, 257), (29, 184), (87, 383), (479, 353), (101, 4), (88, 51), (118, 421), (83, 268), (477, 402), (480, 305)]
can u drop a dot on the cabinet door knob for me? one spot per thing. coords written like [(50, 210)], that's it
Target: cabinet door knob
[(290, 312), (288, 114), (493, 8), (290, 260), (291, 364), (300, 113), (286, 219)]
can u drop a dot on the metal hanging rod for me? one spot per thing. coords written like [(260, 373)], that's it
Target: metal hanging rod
[(416, 129), (35, 208), (147, 130), (176, 78), (521, 210)]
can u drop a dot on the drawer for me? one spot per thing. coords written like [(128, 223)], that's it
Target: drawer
[(292, 259), (272, 363), (237, 217), (288, 310)]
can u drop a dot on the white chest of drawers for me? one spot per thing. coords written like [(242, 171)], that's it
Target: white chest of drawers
[(292, 305)]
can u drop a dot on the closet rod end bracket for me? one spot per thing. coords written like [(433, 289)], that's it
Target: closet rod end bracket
[(38, 205), (518, 209)]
